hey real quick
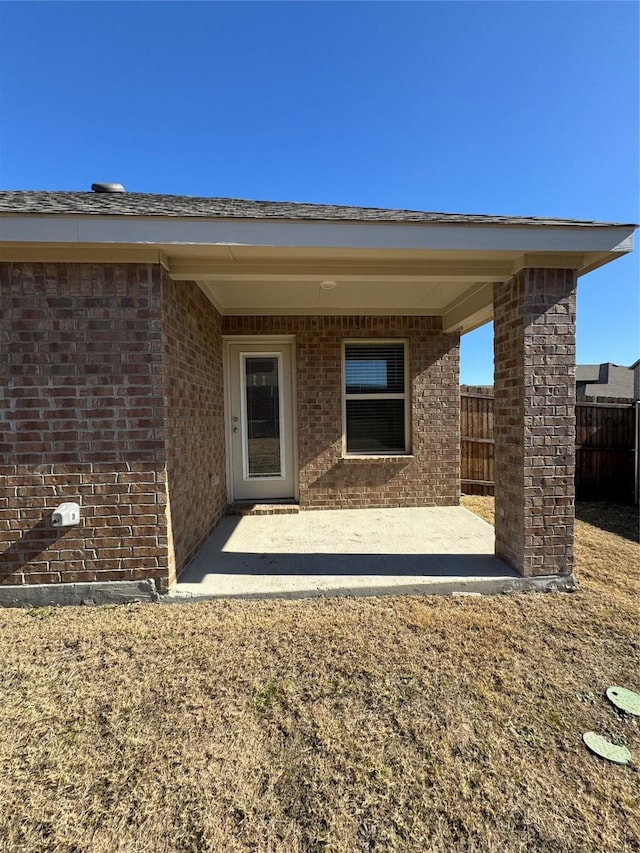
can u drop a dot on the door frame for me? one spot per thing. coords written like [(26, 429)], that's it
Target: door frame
[(267, 340)]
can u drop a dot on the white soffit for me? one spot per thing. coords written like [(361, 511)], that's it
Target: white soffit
[(462, 306)]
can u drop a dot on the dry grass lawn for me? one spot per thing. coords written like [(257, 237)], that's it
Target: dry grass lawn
[(391, 724)]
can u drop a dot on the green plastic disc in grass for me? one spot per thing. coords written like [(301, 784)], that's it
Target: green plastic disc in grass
[(624, 699), (605, 749)]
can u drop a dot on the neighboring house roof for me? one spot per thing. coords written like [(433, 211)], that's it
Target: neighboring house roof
[(608, 380), (146, 204)]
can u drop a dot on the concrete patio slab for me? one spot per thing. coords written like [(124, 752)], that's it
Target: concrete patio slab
[(435, 550)]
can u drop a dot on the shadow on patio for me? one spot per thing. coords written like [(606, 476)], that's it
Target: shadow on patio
[(346, 552)]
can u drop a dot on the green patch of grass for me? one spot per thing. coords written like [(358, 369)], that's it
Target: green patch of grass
[(41, 613), (264, 696)]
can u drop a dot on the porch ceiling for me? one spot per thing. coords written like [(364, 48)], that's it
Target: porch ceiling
[(455, 285), (250, 281)]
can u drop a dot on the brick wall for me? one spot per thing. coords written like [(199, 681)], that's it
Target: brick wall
[(112, 396), (534, 420), (326, 480), (195, 418), (82, 415)]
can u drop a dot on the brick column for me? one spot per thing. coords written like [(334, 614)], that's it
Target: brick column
[(534, 420)]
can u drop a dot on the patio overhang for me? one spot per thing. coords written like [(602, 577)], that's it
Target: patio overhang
[(278, 266)]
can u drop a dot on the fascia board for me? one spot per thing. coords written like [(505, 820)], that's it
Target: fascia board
[(173, 232)]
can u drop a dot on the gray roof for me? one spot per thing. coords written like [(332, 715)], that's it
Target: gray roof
[(147, 204), (608, 380)]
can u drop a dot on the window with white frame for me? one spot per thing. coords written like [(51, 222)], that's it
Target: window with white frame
[(375, 398)]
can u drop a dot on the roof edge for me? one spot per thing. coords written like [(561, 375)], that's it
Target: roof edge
[(61, 203)]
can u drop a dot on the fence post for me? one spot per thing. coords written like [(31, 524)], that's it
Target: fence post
[(637, 451)]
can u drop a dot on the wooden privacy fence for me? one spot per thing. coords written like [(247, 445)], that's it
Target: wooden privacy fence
[(606, 446)]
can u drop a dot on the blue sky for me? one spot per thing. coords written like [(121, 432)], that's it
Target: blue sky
[(524, 108)]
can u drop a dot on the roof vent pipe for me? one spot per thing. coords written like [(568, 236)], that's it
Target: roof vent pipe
[(107, 188)]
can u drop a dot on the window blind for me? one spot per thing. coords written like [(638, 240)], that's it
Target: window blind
[(375, 398)]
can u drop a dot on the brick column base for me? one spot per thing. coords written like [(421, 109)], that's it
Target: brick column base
[(534, 420)]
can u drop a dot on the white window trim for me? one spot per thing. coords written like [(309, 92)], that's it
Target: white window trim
[(406, 396)]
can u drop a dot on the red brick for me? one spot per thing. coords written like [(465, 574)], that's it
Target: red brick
[(73, 376), (534, 420)]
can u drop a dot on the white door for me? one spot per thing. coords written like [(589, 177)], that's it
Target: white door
[(260, 427)]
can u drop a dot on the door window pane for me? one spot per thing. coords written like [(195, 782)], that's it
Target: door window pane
[(262, 397)]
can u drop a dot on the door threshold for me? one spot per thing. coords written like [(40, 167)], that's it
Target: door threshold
[(275, 507)]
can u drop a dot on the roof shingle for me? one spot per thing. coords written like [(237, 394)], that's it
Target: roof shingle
[(36, 202)]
